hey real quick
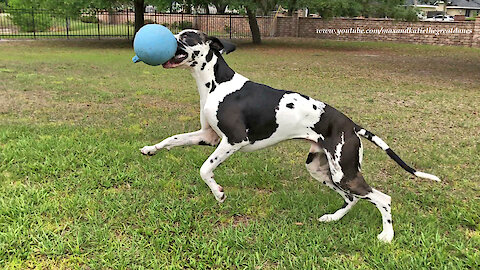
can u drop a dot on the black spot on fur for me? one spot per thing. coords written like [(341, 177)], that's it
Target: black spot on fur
[(203, 66), (344, 204), (222, 72), (213, 87), (207, 84), (389, 221), (196, 53), (305, 97), (192, 38), (203, 143), (368, 135), (211, 160), (180, 45), (194, 63), (310, 158), (209, 56), (314, 106), (290, 105), (252, 107)]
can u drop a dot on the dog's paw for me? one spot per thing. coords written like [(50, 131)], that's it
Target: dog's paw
[(222, 198), (219, 194), (386, 236), (149, 150), (327, 218)]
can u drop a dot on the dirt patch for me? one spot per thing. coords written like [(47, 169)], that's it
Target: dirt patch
[(12, 101)]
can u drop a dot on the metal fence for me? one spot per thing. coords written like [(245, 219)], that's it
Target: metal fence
[(36, 24)]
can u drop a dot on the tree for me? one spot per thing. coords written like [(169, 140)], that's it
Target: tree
[(365, 8), (252, 21), (220, 5), (250, 6), (291, 5)]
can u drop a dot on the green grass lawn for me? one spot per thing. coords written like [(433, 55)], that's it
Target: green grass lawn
[(75, 192)]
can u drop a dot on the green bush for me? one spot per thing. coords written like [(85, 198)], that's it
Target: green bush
[(405, 14), (89, 19), (31, 22), (227, 28), (149, 21), (3, 6), (182, 25)]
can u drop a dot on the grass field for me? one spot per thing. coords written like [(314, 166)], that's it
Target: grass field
[(75, 192)]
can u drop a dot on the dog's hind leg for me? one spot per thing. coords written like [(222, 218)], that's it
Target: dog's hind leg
[(383, 203), (345, 163), (317, 166)]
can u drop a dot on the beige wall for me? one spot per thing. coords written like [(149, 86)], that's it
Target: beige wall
[(306, 27), (454, 12)]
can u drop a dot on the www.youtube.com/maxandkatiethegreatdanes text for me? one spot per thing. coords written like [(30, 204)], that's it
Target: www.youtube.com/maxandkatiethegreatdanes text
[(381, 31)]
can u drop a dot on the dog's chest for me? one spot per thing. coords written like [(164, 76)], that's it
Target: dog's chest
[(215, 97)]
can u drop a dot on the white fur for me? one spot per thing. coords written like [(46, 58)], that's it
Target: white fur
[(380, 143), (427, 176), (334, 161)]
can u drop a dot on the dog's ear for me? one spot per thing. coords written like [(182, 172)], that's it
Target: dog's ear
[(221, 45)]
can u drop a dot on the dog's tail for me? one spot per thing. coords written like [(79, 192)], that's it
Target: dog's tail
[(380, 143)]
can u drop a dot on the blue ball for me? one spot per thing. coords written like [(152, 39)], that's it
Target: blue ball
[(154, 44)]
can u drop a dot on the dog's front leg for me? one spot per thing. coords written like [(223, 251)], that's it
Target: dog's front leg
[(201, 137), (223, 151)]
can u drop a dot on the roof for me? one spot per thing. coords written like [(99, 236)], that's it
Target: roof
[(463, 4), (466, 4)]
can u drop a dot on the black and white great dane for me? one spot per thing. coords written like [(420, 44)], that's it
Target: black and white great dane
[(238, 114)]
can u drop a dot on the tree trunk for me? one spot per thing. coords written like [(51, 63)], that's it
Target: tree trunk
[(252, 21), (139, 6), (207, 10), (292, 6), (187, 7), (220, 8)]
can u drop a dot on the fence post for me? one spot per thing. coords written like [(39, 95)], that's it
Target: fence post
[(33, 22), (67, 23), (230, 19), (98, 25), (128, 26), (476, 32)]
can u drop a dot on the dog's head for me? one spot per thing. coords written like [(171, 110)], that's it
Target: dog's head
[(194, 45)]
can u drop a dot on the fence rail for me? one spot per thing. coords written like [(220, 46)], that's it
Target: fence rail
[(36, 24)]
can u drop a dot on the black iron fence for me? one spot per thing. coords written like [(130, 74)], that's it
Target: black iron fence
[(36, 24)]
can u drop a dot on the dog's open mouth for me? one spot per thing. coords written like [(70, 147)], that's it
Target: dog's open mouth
[(176, 60)]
